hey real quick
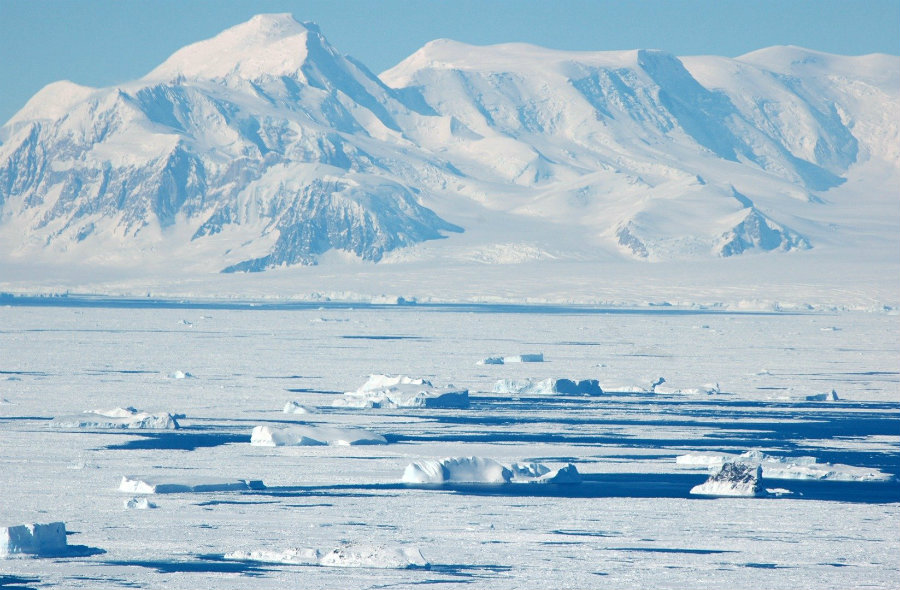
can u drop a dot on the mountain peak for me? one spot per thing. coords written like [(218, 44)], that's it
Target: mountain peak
[(271, 44)]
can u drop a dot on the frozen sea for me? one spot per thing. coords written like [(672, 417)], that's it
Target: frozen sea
[(631, 523)]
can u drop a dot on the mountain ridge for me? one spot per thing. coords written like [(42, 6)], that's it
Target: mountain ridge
[(296, 150)]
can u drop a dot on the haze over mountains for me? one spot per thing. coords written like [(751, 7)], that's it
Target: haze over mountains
[(265, 147)]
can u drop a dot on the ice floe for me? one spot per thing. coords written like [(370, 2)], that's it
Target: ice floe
[(33, 539), (116, 418), (519, 358), (346, 555), (401, 391), (548, 387), (175, 484), (484, 470), (179, 375), (775, 467), (732, 479), (312, 435)]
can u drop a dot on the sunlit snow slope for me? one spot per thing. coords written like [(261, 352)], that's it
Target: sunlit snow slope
[(265, 147)]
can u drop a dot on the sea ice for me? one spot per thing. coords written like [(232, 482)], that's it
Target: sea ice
[(347, 555), (310, 435), (548, 387), (116, 418), (34, 539), (483, 470), (520, 358), (400, 391), (733, 479), (175, 484)]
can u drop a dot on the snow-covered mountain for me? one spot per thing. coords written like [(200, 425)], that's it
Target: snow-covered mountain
[(264, 146)]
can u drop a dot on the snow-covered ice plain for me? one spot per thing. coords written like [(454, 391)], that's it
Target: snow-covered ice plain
[(336, 516)]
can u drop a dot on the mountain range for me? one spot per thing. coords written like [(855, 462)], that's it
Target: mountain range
[(266, 147)]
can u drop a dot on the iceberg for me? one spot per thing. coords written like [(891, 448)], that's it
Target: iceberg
[(346, 555), (176, 484), (128, 418), (294, 407), (400, 391), (548, 387), (483, 470), (519, 358), (733, 479), (309, 435), (775, 467), (33, 539)]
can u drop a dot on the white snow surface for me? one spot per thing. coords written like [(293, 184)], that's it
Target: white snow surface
[(312, 435)]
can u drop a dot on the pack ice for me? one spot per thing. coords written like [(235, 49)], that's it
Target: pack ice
[(401, 391), (116, 418), (310, 435), (484, 470)]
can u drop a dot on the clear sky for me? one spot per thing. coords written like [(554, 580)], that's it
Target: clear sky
[(104, 42)]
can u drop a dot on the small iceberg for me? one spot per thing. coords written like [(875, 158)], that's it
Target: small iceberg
[(401, 391), (733, 479), (548, 387), (346, 555), (309, 435), (823, 397), (519, 358), (484, 470), (33, 539), (295, 407), (128, 418), (176, 484)]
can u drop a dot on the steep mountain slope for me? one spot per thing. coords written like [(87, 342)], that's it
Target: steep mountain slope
[(265, 125), (265, 147)]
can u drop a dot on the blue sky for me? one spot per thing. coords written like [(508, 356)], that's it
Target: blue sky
[(104, 42)]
